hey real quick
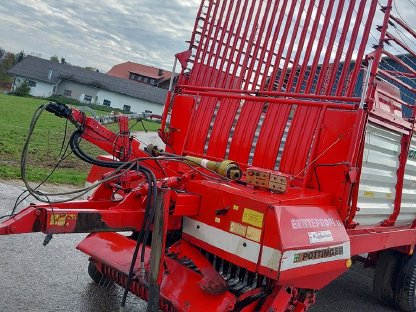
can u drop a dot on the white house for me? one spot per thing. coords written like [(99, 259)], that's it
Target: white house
[(47, 78)]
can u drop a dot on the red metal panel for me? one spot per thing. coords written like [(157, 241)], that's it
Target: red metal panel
[(271, 135), (182, 109), (369, 240), (221, 132), (244, 131), (299, 139), (201, 120), (180, 287)]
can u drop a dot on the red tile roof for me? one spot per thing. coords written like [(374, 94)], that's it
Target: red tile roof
[(123, 70)]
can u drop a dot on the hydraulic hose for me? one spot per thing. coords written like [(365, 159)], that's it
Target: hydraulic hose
[(149, 212)]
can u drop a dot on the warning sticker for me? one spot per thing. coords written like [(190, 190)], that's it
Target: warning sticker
[(368, 194), (61, 219), (238, 228), (253, 217), (253, 233)]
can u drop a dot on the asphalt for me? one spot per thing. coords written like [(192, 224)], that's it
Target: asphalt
[(54, 278)]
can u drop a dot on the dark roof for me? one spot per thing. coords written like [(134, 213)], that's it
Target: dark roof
[(38, 69)]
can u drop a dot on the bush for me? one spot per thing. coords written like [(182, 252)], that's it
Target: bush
[(73, 102), (22, 90)]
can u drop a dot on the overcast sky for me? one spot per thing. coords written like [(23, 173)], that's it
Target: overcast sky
[(98, 33), (104, 33)]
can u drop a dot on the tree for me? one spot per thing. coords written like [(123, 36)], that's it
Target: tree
[(54, 58), (8, 60), (20, 56), (63, 61), (2, 54), (23, 89)]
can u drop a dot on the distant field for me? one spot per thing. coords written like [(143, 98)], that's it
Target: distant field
[(15, 116)]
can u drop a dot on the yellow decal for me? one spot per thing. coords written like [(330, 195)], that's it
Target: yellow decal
[(235, 207), (238, 228), (388, 195), (61, 219), (217, 220), (253, 233), (368, 194), (253, 217)]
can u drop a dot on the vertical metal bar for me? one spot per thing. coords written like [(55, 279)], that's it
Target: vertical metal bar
[(233, 49), (329, 49), (361, 50), (245, 73), (353, 40), (327, 19), (266, 41), (379, 51), (196, 21), (310, 46), (365, 83), (404, 152), (158, 247), (295, 64), (242, 43), (217, 42), (210, 19), (273, 45), (172, 77), (283, 76), (282, 45), (228, 49), (257, 47), (340, 48)]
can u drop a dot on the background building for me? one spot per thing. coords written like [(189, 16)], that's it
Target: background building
[(47, 78), (142, 73)]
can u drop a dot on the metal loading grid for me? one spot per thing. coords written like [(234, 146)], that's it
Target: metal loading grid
[(285, 46)]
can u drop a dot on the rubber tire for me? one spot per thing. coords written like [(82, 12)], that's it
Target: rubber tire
[(385, 276), (97, 277), (405, 285)]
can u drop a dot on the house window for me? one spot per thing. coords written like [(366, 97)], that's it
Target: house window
[(32, 83), (107, 103), (140, 78), (145, 79), (67, 92), (127, 108), (87, 98), (152, 81)]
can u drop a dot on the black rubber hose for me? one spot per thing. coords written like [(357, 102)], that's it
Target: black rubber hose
[(139, 241), (149, 212)]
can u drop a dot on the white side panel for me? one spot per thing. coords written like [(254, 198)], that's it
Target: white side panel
[(378, 175), (408, 206), (228, 242)]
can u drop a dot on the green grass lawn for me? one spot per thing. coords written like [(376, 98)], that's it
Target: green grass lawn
[(15, 116)]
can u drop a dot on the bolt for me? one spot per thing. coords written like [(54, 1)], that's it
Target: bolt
[(244, 244), (198, 226)]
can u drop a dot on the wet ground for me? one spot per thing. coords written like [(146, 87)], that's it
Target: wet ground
[(54, 278)]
